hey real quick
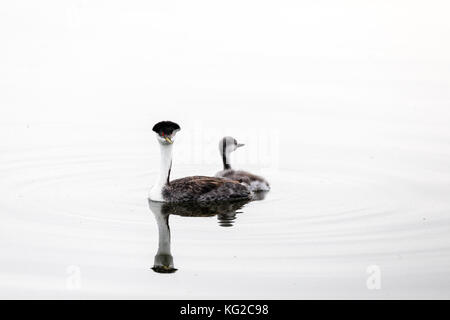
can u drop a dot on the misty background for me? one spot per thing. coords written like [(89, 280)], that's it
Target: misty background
[(343, 105)]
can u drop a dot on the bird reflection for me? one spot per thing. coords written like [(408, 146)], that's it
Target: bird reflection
[(225, 212)]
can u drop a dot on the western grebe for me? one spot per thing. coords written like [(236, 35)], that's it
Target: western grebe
[(196, 188), (256, 183)]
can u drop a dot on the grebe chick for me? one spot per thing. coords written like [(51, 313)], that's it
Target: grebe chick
[(189, 189), (256, 183)]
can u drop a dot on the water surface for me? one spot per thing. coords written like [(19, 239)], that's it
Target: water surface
[(334, 211)]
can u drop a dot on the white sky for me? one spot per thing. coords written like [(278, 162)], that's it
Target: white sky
[(74, 59)]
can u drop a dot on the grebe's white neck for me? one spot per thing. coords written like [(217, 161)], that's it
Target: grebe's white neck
[(164, 172)]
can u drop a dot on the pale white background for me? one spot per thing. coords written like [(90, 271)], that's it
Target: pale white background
[(344, 106)]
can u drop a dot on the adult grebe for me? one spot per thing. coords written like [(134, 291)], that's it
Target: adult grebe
[(196, 188), (256, 183)]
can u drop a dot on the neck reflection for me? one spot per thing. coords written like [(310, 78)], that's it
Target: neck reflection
[(225, 211)]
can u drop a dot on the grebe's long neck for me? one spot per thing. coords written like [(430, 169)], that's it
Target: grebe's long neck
[(164, 172), (165, 165), (225, 157)]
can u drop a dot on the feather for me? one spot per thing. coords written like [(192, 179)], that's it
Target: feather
[(200, 188)]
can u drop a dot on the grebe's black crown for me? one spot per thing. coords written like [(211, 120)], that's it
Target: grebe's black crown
[(166, 127)]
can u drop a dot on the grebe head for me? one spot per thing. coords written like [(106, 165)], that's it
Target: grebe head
[(228, 145), (166, 131)]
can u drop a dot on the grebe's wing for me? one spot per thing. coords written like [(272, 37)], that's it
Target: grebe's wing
[(200, 188), (196, 184)]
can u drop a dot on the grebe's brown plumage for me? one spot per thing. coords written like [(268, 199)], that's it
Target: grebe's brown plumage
[(204, 189)]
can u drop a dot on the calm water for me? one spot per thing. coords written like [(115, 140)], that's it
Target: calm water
[(76, 222)]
